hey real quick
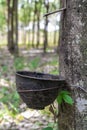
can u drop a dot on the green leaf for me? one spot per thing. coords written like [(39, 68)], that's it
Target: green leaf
[(48, 128), (64, 92), (68, 99), (16, 96), (64, 96), (59, 99)]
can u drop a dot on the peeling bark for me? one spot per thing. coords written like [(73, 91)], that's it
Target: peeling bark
[(73, 62)]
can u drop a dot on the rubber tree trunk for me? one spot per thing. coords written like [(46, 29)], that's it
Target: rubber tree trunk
[(46, 3), (33, 30), (73, 63), (45, 35), (38, 22), (13, 26)]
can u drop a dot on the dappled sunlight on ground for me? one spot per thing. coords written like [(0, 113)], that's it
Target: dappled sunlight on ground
[(4, 83)]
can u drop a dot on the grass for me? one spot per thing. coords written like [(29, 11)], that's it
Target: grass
[(10, 99), (34, 64), (19, 63)]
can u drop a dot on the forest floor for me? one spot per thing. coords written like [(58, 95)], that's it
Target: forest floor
[(16, 116)]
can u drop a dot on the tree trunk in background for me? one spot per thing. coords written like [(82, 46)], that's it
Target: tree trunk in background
[(29, 33), (16, 25), (38, 29), (10, 36), (38, 22), (12, 26), (55, 36), (33, 31), (73, 63), (46, 3), (45, 34)]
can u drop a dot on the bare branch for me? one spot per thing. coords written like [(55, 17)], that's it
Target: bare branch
[(56, 11)]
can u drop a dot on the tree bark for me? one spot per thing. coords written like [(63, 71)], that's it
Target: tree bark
[(46, 3), (33, 30), (12, 26), (73, 63), (16, 25), (38, 22)]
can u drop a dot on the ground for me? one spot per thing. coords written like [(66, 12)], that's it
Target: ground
[(16, 116)]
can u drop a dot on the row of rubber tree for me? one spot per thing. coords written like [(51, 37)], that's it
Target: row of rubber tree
[(21, 13)]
